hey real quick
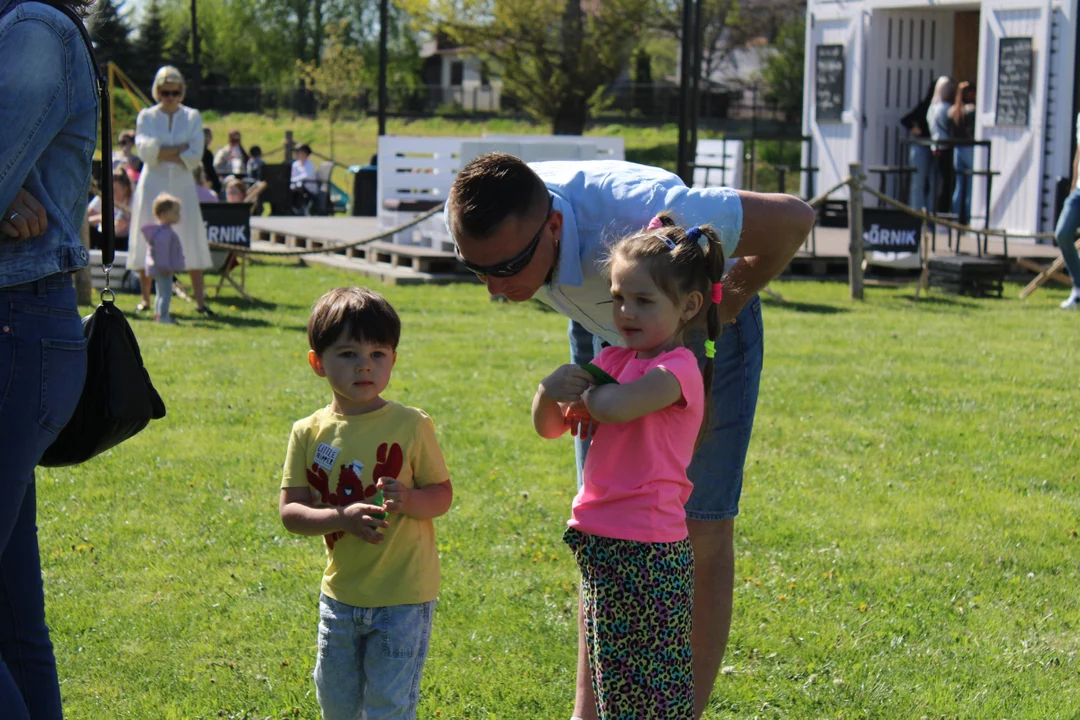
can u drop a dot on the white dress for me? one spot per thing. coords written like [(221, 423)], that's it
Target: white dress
[(154, 129)]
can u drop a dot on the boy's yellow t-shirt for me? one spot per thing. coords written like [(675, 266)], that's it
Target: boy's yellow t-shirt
[(340, 457)]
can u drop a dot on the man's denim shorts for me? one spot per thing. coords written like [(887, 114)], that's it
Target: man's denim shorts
[(717, 468)]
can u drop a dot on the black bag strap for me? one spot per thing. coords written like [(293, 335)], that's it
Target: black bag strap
[(108, 227)]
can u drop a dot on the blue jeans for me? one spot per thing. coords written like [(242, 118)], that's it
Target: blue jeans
[(42, 367), (963, 159), (1065, 234), (717, 468), (370, 659), (919, 158), (162, 295)]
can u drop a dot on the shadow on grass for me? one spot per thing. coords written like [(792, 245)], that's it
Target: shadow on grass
[(253, 304), (802, 307), (222, 322), (941, 301)]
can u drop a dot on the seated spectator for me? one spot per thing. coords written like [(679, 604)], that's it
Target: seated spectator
[(122, 191), (235, 190), (209, 173), (255, 164), (303, 181), (231, 159), (124, 157), (202, 188)]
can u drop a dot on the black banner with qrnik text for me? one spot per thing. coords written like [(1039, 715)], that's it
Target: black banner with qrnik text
[(890, 230), (227, 223)]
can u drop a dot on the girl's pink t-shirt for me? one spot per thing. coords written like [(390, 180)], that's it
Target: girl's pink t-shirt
[(635, 483)]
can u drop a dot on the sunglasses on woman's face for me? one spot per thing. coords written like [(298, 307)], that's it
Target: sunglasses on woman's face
[(516, 264), (170, 93)]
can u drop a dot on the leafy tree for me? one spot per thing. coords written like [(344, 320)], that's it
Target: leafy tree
[(150, 46), (339, 75), (110, 31), (556, 57), (783, 70)]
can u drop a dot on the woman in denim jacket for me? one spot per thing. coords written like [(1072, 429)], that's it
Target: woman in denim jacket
[(48, 131)]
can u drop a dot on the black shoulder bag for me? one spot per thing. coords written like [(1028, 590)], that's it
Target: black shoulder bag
[(118, 400)]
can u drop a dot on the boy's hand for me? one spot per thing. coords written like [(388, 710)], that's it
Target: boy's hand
[(567, 383), (396, 496), (360, 523), (581, 423)]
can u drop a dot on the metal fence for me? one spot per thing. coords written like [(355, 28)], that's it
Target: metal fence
[(720, 108)]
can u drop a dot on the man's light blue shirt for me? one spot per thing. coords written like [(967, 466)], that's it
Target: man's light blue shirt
[(48, 132), (601, 202)]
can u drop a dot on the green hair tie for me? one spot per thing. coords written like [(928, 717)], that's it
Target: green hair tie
[(710, 349)]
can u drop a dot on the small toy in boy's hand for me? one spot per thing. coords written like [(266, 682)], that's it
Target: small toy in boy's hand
[(581, 423), (377, 499), (601, 377)]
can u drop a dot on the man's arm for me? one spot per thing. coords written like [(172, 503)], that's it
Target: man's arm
[(774, 228)]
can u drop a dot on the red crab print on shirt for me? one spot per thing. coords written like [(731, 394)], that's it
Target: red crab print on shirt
[(350, 488)]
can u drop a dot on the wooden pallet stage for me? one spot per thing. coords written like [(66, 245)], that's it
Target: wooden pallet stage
[(391, 263), (408, 264)]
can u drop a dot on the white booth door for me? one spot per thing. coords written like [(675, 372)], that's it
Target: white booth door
[(1016, 150), (836, 142)]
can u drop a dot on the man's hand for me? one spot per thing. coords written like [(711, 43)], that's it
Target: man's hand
[(359, 522), (566, 384), (24, 218)]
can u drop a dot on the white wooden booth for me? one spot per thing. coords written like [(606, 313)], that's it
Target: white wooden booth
[(869, 62), (415, 173)]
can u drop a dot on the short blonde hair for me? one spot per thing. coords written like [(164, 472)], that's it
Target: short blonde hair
[(166, 204), (167, 75)]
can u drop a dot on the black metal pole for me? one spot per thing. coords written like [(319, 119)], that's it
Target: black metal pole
[(685, 68), (383, 60), (695, 91)]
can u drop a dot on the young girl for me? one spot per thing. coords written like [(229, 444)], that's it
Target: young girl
[(628, 527), (165, 253)]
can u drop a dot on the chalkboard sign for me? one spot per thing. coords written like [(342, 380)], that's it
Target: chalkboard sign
[(1013, 81), (829, 76), (890, 230), (227, 223)]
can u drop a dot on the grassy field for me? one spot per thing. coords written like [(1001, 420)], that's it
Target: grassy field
[(907, 546)]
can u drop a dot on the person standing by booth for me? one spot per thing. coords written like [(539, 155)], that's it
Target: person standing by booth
[(937, 118), (1065, 233), (919, 155), (962, 117)]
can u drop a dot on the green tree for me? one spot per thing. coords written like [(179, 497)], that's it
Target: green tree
[(784, 70), (111, 32), (556, 57), (150, 46), (339, 75)]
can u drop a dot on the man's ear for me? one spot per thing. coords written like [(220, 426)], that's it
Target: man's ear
[(316, 363)]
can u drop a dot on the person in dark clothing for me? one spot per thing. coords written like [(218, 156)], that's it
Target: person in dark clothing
[(919, 155), (208, 163)]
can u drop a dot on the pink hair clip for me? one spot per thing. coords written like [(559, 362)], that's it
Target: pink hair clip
[(655, 224), (717, 292)]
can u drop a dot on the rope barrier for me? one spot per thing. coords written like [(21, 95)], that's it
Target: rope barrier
[(820, 199), (330, 248)]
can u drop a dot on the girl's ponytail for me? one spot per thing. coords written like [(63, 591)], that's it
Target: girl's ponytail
[(714, 271)]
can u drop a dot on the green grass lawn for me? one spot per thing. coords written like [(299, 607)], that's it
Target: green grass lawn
[(907, 546)]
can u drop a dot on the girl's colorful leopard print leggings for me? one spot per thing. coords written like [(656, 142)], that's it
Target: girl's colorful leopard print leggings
[(637, 599)]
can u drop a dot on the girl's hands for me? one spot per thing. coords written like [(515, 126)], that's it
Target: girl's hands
[(566, 384), (396, 496), (581, 423), (359, 522)]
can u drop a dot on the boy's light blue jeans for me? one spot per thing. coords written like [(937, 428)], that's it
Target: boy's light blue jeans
[(370, 659)]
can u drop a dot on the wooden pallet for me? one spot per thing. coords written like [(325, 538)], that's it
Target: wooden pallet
[(967, 275)]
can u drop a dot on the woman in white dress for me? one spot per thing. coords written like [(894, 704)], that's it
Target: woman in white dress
[(169, 141)]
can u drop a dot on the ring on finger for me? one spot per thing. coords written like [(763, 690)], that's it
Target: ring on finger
[(13, 215)]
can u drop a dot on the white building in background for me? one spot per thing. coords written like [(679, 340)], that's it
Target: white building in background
[(453, 76), (891, 53)]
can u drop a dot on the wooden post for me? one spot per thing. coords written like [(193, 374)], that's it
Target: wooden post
[(288, 147), (855, 222)]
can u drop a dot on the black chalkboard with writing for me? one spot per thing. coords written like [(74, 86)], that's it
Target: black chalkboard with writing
[(1013, 81), (829, 87)]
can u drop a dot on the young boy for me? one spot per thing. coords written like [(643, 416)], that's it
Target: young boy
[(368, 475)]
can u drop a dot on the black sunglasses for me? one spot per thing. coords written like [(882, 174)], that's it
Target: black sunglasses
[(516, 264), (170, 93)]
